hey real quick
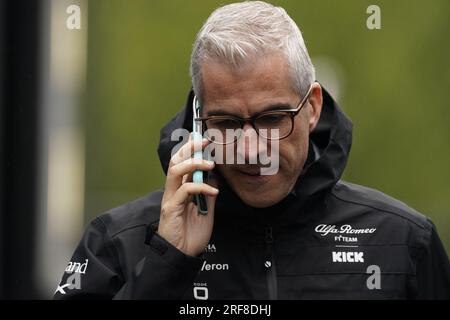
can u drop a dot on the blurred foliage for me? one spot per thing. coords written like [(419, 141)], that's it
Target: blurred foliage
[(395, 92)]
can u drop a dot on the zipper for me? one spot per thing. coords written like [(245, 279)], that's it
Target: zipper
[(269, 264)]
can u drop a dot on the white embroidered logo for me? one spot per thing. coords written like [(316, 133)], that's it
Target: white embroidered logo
[(344, 256)]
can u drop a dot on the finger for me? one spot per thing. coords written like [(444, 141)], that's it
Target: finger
[(187, 177), (190, 188), (213, 179), (204, 222), (187, 150), (211, 201), (175, 173)]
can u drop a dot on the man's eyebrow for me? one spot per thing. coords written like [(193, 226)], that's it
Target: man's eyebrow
[(272, 107)]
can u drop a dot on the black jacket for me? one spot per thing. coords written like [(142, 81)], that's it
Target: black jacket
[(328, 239)]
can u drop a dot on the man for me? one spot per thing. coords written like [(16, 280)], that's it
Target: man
[(300, 233)]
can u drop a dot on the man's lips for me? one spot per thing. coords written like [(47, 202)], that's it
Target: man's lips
[(250, 171)]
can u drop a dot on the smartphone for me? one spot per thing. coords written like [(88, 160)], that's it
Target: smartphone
[(197, 176)]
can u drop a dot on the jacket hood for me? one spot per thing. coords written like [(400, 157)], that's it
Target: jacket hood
[(329, 148)]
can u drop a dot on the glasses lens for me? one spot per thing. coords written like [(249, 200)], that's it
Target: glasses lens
[(274, 125), (222, 130)]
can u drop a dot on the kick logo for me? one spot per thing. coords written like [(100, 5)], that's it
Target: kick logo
[(345, 256)]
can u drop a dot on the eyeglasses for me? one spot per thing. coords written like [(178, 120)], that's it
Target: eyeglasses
[(228, 129)]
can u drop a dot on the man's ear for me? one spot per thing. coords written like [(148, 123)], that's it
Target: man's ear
[(315, 103)]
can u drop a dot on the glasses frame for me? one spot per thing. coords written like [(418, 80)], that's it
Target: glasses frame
[(292, 112)]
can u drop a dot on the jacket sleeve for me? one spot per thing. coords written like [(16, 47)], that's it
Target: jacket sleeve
[(95, 273), (433, 270)]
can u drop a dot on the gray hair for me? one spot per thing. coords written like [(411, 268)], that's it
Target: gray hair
[(236, 33)]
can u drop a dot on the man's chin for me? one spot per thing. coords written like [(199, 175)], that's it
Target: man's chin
[(257, 191), (258, 200)]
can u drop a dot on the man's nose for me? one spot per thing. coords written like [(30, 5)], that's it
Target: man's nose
[(249, 144)]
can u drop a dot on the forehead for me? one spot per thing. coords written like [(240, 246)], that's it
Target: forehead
[(247, 88)]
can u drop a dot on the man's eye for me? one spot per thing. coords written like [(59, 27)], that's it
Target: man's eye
[(272, 119), (223, 124)]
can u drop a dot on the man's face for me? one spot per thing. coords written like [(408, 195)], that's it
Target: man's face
[(250, 90)]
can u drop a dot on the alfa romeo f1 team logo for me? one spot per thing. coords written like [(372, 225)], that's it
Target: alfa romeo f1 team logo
[(325, 229)]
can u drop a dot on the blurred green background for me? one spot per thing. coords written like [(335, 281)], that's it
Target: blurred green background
[(392, 83)]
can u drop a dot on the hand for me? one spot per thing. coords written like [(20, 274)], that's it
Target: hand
[(180, 224)]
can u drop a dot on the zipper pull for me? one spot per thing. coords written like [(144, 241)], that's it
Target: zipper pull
[(268, 236)]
